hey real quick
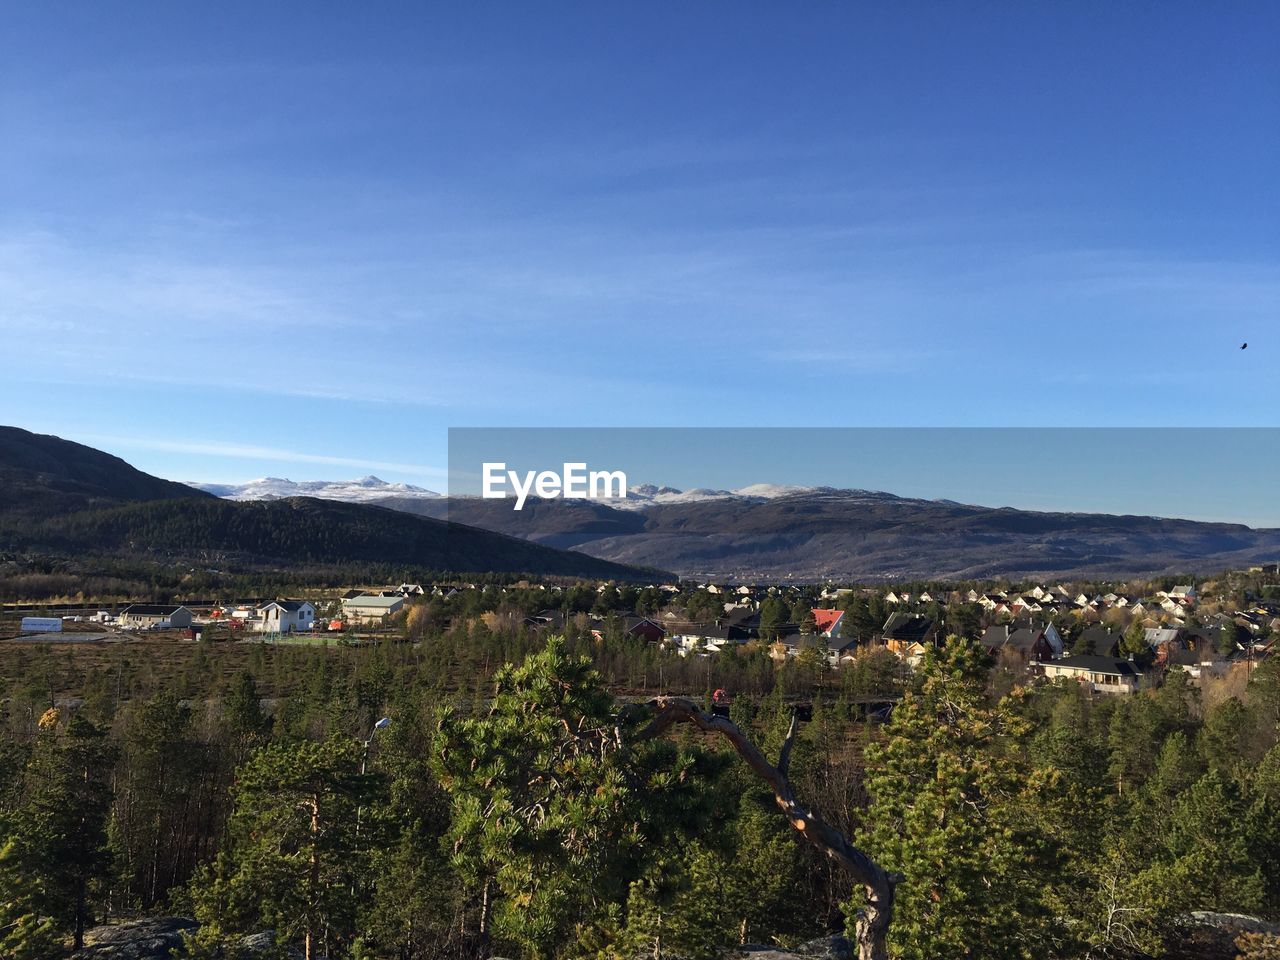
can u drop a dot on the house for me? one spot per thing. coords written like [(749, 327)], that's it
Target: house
[(642, 628), (366, 609), (908, 636), (142, 616), (1197, 664), (995, 637), (410, 590), (828, 622), (1031, 643), (545, 619), (711, 637), (285, 616), (1106, 675), (791, 643)]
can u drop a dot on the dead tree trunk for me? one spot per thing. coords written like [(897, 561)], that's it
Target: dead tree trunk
[(872, 926)]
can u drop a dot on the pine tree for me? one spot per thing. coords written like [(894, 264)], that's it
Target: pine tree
[(59, 830), (26, 933), (294, 854), (551, 822), (952, 810)]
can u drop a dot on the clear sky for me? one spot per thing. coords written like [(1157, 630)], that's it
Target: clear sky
[(303, 240)]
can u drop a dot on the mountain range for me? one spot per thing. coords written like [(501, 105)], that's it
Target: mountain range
[(769, 532), (68, 499), (364, 490)]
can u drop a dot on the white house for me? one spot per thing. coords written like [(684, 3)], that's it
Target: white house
[(1099, 674), (285, 616)]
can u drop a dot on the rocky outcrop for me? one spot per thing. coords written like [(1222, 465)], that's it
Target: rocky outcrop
[(161, 938), (157, 938), (826, 948)]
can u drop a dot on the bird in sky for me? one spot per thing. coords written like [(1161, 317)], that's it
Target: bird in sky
[(1244, 346)]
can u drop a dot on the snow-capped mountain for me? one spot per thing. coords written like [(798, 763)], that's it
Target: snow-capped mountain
[(373, 490), (364, 490), (648, 494)]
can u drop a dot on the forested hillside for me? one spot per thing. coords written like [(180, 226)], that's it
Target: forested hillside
[(65, 498)]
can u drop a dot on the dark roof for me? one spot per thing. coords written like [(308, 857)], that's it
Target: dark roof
[(546, 618), (743, 617), (1105, 643), (730, 633), (293, 606), (995, 636), (1025, 639), (1096, 664), (907, 627), (633, 623), (150, 609), (800, 640)]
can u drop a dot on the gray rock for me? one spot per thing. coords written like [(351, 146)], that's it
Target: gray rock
[(157, 938), (264, 944), (160, 938), (824, 948)]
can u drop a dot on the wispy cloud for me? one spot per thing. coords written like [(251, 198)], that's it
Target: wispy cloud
[(247, 451)]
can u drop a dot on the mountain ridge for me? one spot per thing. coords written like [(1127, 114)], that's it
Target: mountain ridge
[(69, 499)]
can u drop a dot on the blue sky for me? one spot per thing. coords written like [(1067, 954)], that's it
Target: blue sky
[(305, 239)]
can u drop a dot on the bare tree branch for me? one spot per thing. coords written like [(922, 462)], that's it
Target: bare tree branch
[(784, 755), (873, 920)]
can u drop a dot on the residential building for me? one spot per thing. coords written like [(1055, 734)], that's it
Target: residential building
[(285, 616), (371, 610), (1106, 675), (141, 616)]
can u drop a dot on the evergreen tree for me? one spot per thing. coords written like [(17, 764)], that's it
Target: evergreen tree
[(952, 810), (26, 932), (295, 854), (1134, 642), (551, 823), (59, 830)]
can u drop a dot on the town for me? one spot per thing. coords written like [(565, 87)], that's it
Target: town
[(1110, 638)]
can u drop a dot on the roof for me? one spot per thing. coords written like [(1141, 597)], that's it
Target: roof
[(729, 633), (380, 603), (1104, 641), (1158, 635), (995, 636), (1026, 638), (906, 627), (151, 610), (292, 606), (631, 624), (1093, 664), (799, 640), (826, 619)]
